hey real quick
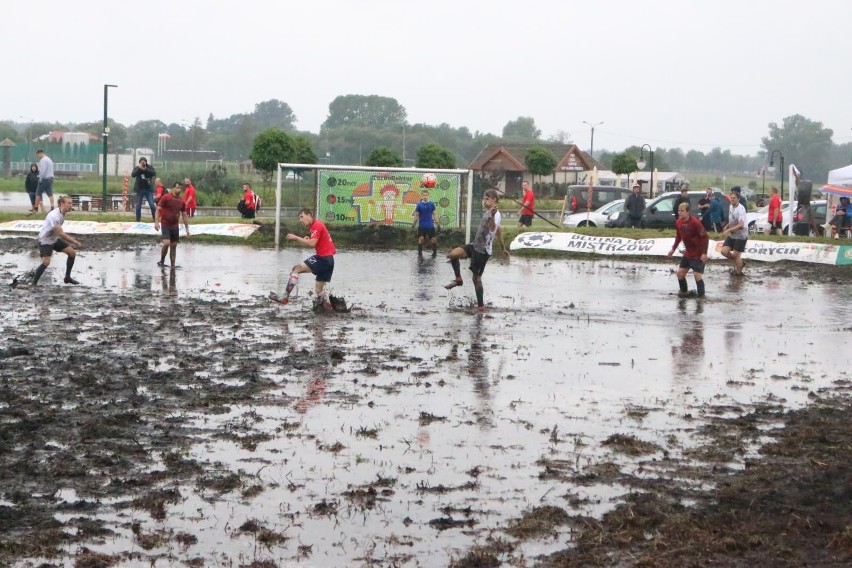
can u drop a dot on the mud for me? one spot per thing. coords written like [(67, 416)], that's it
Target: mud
[(153, 418)]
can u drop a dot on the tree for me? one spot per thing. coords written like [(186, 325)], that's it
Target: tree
[(802, 142), (363, 110), (523, 128), (540, 161), (144, 133), (274, 114), (383, 157), (271, 147), (434, 156), (624, 163)]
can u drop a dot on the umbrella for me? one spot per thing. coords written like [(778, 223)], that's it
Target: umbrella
[(842, 190)]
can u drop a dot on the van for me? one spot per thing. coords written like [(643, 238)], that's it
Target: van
[(660, 212), (576, 199)]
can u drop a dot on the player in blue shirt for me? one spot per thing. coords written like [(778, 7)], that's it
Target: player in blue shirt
[(425, 220)]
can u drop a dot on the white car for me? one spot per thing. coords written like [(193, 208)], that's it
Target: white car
[(762, 214), (817, 206), (595, 218)]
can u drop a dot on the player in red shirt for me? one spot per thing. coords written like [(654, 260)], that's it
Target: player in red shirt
[(525, 215), (189, 197), (775, 218), (690, 230), (321, 264), (170, 209), (248, 205), (159, 189)]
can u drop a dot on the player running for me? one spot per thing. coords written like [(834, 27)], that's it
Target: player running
[(53, 238)]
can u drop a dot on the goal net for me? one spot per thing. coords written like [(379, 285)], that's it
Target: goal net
[(360, 195)]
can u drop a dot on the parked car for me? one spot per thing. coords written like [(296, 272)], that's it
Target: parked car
[(801, 225), (576, 197), (753, 218), (595, 218), (660, 212)]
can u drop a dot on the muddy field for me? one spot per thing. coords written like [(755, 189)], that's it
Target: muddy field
[(589, 417)]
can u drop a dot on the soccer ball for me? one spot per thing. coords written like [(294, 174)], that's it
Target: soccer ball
[(429, 180)]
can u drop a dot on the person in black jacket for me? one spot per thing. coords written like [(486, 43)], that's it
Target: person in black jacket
[(143, 187), (682, 198), (31, 185), (634, 205)]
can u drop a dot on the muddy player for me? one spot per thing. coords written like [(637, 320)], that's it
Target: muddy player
[(426, 220), (53, 238), (736, 235), (321, 264), (691, 232), (170, 210), (480, 250)]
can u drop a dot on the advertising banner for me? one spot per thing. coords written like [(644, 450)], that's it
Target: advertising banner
[(363, 197), (755, 250), (131, 228)]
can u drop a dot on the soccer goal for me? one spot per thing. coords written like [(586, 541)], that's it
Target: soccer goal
[(360, 195)]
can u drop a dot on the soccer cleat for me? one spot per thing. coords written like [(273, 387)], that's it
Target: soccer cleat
[(161, 264), (69, 280), (682, 294), (454, 283), (481, 309)]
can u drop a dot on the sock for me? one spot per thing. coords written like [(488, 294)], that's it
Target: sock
[(479, 294), (454, 262), (682, 284), (69, 264), (419, 248), (163, 252), (700, 286), (39, 271)]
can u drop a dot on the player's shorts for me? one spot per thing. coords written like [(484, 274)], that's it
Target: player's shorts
[(692, 263), (478, 260), (776, 225), (525, 220), (321, 266), (45, 186), (426, 233), (47, 250), (735, 244), (170, 233)]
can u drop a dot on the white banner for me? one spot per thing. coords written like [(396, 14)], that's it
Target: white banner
[(755, 250), (132, 228)]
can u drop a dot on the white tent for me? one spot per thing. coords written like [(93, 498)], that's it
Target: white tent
[(840, 176)]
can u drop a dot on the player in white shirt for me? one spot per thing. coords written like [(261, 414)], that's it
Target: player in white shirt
[(53, 238)]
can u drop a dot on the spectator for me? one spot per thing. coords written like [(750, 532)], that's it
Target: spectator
[(143, 174), (716, 214), (704, 208), (31, 185), (45, 179), (248, 203), (634, 206), (189, 197), (775, 218), (682, 198), (841, 220), (525, 215)]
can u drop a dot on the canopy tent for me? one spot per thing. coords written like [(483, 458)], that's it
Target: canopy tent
[(840, 176)]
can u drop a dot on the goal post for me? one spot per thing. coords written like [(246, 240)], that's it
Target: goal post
[(363, 195)]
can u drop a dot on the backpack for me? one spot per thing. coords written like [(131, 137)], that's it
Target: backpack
[(257, 202)]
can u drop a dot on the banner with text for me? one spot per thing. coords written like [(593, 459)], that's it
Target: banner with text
[(755, 250), (94, 228), (363, 197)]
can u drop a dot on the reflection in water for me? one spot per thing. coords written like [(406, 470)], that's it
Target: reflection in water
[(316, 387), (168, 282), (688, 357), (423, 277), (478, 368)]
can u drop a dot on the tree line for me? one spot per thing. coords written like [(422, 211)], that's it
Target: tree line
[(357, 125)]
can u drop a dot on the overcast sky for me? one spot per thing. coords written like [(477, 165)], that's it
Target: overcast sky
[(671, 73)]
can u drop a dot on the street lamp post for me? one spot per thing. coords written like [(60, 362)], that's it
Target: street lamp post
[(592, 145), (771, 168), (106, 137), (640, 163)]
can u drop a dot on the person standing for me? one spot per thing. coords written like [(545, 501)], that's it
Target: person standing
[(53, 238), (189, 197), (481, 249), (144, 175), (248, 203), (682, 198), (170, 210), (736, 235), (690, 231), (31, 185), (159, 190), (634, 206), (45, 179), (775, 218), (704, 208), (716, 214), (425, 219), (525, 214), (321, 264)]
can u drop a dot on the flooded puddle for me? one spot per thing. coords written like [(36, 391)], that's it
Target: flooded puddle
[(399, 434)]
